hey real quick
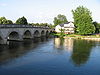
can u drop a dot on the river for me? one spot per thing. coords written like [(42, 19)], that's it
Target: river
[(50, 56)]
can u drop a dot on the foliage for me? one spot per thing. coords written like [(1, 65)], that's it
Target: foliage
[(42, 24), (83, 20), (9, 22), (97, 27), (3, 20), (22, 20), (60, 19), (62, 32)]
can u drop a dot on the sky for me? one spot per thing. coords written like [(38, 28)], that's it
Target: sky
[(44, 11)]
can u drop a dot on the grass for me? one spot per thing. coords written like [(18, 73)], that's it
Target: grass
[(77, 35), (82, 36)]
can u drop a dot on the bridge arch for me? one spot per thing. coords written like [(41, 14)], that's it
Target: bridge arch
[(13, 36), (42, 33), (1, 40), (27, 34), (47, 33), (36, 33)]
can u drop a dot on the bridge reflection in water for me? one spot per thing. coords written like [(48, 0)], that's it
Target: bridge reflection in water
[(16, 49)]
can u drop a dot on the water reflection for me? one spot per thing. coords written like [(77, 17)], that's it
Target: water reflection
[(50, 57), (80, 49), (64, 44), (17, 49)]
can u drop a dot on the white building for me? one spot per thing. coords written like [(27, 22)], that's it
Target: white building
[(68, 28)]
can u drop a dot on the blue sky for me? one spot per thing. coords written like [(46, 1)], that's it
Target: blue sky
[(45, 10)]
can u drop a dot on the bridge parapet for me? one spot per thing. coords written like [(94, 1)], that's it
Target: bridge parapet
[(22, 26)]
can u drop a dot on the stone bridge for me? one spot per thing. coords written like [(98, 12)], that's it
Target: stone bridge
[(20, 32)]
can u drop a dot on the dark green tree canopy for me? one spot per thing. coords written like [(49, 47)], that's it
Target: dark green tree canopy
[(9, 22), (22, 20), (60, 19), (3, 20), (97, 26), (83, 20)]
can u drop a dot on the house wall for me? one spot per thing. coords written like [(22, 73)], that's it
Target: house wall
[(57, 28), (69, 30)]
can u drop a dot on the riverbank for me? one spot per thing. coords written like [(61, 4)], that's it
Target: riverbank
[(89, 37)]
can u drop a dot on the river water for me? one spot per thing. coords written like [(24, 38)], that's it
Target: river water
[(50, 56)]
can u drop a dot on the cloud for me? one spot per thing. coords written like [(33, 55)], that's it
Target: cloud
[(3, 4)]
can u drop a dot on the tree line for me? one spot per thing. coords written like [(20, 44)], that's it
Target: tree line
[(22, 21), (82, 20)]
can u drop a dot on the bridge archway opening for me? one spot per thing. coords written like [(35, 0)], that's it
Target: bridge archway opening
[(36, 34), (42, 33), (47, 33), (13, 36), (27, 35), (1, 40)]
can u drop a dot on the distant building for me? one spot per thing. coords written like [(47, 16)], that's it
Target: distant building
[(68, 28)]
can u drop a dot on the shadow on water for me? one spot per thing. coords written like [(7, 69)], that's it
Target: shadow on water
[(16, 49)]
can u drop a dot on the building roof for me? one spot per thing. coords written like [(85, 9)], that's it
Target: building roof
[(68, 25)]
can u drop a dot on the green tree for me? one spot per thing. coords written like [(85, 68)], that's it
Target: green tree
[(83, 20), (22, 20), (9, 22), (60, 19), (3, 20), (62, 33), (97, 27), (37, 24)]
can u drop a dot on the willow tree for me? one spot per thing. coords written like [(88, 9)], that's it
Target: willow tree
[(83, 20)]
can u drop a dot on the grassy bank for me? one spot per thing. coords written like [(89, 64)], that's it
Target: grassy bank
[(82, 36), (88, 37), (76, 36)]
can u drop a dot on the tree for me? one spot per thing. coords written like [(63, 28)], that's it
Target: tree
[(22, 20), (9, 22), (62, 33), (60, 19), (97, 27), (3, 20), (83, 20)]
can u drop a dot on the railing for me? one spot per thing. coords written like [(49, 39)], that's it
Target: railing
[(22, 26)]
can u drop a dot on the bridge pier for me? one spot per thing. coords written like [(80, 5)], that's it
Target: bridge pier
[(3, 41), (36, 36)]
